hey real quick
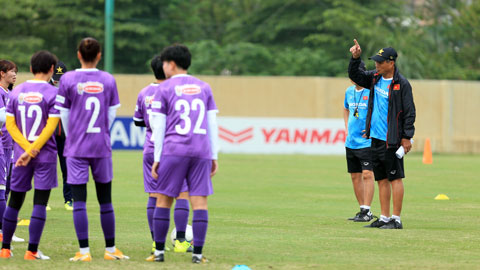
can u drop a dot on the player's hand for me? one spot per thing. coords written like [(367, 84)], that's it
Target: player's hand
[(23, 160), (407, 145), (154, 170), (34, 152), (214, 167), (364, 133), (356, 50)]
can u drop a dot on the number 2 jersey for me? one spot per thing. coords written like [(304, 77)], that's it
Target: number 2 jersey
[(185, 100), (32, 103), (88, 94)]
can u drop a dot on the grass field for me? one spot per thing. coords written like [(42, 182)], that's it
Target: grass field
[(285, 212)]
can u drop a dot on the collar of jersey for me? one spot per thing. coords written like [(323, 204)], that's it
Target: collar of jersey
[(6, 91), (180, 75), (36, 81), (86, 69)]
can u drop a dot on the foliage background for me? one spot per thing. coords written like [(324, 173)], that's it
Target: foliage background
[(436, 39)]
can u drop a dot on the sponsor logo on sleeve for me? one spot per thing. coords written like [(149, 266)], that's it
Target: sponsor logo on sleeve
[(187, 89), (30, 97), (90, 88)]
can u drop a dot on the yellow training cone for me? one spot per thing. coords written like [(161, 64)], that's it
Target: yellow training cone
[(442, 197), (24, 222)]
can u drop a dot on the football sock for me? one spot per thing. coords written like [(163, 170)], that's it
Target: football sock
[(197, 255), (37, 223), (384, 218), (365, 207), (158, 252), (161, 221), (152, 201), (80, 221), (9, 225), (200, 224), (3, 205), (397, 218), (110, 249), (180, 216), (84, 250), (107, 219)]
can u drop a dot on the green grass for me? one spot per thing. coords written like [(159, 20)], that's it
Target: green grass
[(285, 212)]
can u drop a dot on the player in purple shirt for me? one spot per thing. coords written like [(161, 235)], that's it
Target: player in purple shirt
[(142, 118), (31, 120), (8, 77), (88, 99), (186, 138)]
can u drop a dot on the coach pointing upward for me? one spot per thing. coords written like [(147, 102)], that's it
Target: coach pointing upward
[(390, 124)]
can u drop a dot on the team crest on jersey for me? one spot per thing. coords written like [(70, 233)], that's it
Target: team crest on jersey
[(187, 89), (90, 88), (148, 100), (30, 97)]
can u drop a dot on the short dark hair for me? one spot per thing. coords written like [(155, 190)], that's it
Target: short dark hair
[(42, 62), (157, 68), (6, 66), (89, 48), (179, 54)]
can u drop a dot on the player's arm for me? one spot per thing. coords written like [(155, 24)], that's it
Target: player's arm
[(46, 133), (17, 136), (357, 74), (112, 113), (409, 115), (213, 136), (158, 125), (346, 113), (3, 116)]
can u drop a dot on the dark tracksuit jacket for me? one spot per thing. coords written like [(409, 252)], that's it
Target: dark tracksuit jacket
[(401, 108)]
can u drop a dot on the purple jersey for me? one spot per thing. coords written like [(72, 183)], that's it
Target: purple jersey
[(185, 101), (88, 94), (7, 140), (32, 103), (142, 113)]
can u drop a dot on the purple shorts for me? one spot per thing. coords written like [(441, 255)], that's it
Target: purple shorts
[(77, 170), (3, 170), (148, 181), (44, 177), (173, 171)]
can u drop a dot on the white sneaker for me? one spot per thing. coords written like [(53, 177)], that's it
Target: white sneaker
[(17, 239), (35, 256)]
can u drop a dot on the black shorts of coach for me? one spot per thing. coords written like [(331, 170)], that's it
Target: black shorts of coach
[(359, 160), (385, 162)]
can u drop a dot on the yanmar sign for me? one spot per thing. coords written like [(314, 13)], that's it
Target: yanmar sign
[(281, 135), (252, 135)]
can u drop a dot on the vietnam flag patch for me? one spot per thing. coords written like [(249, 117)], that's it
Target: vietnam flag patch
[(396, 87), (365, 98)]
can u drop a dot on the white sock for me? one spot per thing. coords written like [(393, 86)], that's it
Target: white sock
[(198, 255), (110, 249), (397, 218), (384, 218), (365, 207), (158, 252), (84, 251)]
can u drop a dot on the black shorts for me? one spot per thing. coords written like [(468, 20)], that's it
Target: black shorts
[(359, 160), (385, 162)]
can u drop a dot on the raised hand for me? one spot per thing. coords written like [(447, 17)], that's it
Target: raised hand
[(356, 50)]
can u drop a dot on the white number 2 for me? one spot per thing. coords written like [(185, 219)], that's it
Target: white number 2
[(197, 104), (96, 111), (38, 118)]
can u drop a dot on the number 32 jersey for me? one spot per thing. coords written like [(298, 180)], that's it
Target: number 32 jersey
[(32, 103), (87, 94), (185, 100)]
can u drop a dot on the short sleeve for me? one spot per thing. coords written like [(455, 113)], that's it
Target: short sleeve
[(62, 100), (211, 106), (138, 115), (52, 111), (114, 99), (345, 102), (159, 104), (10, 108)]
